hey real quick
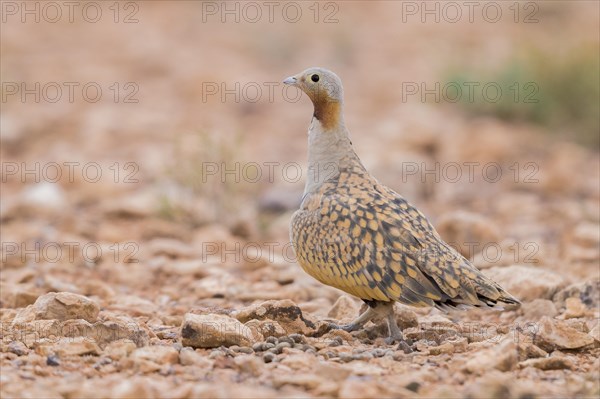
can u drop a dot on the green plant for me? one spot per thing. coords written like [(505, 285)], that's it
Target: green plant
[(558, 92)]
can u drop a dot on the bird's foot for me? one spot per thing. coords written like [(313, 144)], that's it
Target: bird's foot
[(357, 323), (346, 327), (395, 333)]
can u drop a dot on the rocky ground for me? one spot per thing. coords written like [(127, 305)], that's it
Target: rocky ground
[(174, 326), (165, 277)]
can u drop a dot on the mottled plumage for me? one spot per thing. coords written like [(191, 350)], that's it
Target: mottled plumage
[(353, 233)]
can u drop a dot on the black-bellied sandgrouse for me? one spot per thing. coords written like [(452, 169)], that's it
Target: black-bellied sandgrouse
[(353, 233)]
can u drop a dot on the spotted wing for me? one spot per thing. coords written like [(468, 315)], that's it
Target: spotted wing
[(375, 245)]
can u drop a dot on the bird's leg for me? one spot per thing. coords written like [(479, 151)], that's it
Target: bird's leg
[(359, 321), (394, 331)]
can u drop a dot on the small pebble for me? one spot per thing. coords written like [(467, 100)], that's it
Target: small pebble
[(286, 339), (405, 347), (268, 345), (258, 347), (18, 348), (282, 345), (228, 351), (298, 338), (216, 353), (337, 341), (379, 352), (245, 349), (272, 340), (269, 357), (424, 345), (52, 361), (362, 356), (302, 347), (102, 362), (413, 386), (346, 357)]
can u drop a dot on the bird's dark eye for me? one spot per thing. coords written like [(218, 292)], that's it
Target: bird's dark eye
[(315, 78)]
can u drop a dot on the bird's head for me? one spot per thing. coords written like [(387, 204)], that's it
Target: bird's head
[(325, 90), (320, 84)]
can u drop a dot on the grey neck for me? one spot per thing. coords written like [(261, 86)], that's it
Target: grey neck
[(327, 149)]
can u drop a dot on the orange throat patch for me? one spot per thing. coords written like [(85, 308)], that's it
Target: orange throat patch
[(328, 113)]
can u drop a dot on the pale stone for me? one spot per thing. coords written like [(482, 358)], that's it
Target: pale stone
[(549, 363), (59, 306), (76, 346), (285, 312), (152, 358), (214, 330), (556, 334), (574, 308), (502, 356)]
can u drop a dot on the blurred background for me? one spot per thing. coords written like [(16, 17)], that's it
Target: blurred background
[(162, 101), (151, 130)]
